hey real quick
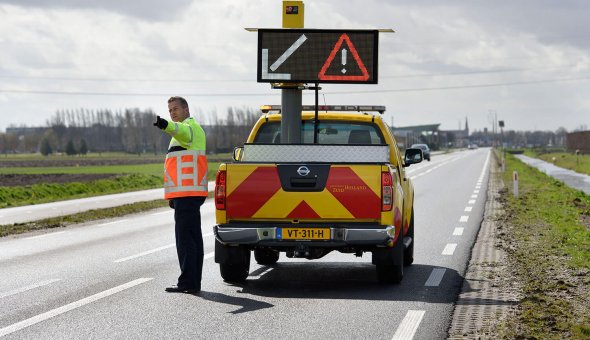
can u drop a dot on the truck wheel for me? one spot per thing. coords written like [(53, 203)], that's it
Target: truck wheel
[(234, 272), (409, 252), (391, 269), (266, 256), (238, 268)]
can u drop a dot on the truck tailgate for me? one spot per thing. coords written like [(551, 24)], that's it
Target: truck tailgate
[(303, 192)]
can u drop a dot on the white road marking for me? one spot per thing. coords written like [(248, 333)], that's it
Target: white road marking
[(449, 249), (458, 231), (463, 218), (473, 196), (113, 222), (476, 191), (261, 274), (209, 255), (144, 253), (44, 235), (468, 208), (435, 277), (71, 306), (161, 213), (409, 325), (24, 289), (471, 202)]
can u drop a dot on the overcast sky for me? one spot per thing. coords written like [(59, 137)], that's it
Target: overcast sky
[(525, 61)]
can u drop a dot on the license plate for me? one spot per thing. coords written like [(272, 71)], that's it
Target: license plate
[(303, 233)]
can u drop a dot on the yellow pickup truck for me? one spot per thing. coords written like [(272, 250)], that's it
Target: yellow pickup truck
[(343, 188)]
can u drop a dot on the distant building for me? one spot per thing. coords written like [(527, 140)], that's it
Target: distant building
[(456, 138), (418, 134), (579, 140), (25, 131), (431, 134)]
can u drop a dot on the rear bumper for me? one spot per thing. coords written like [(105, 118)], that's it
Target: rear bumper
[(340, 236)]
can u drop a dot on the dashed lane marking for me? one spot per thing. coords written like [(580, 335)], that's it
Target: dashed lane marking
[(144, 253), (468, 208), (27, 288), (458, 231), (463, 218), (71, 306), (471, 202), (435, 277), (449, 249), (409, 325), (148, 252)]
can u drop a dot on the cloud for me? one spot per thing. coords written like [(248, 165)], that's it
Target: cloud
[(147, 10), (201, 47)]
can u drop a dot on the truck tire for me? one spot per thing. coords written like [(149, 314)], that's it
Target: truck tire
[(234, 262), (266, 256), (409, 251), (234, 272)]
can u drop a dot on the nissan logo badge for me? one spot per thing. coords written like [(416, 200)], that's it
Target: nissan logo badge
[(303, 171)]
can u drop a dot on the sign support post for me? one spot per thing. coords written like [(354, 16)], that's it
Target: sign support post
[(291, 95)]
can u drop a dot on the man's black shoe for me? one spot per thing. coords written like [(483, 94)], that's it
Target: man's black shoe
[(176, 289)]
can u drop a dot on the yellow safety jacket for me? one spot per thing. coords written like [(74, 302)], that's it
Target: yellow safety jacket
[(185, 168)]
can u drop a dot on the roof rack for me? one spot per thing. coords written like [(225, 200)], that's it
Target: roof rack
[(347, 108)]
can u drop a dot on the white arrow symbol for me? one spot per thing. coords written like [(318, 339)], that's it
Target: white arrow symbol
[(343, 60), (288, 53)]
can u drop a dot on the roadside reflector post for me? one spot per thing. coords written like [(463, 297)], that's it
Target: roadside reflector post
[(515, 183)]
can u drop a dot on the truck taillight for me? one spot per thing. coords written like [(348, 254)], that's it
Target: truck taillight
[(220, 190), (386, 191)]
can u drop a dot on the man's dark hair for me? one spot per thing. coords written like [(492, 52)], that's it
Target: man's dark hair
[(182, 101)]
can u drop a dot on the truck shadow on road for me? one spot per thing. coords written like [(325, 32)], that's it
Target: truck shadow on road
[(351, 280)]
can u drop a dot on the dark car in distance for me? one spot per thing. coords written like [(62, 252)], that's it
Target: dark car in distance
[(425, 150)]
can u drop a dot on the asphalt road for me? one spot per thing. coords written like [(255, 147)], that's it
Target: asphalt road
[(107, 279)]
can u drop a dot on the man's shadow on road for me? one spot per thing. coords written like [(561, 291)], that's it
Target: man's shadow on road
[(245, 304)]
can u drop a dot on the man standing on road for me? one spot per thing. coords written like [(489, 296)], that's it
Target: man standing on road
[(185, 186)]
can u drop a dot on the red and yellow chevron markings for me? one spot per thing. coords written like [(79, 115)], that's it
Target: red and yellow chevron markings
[(255, 192)]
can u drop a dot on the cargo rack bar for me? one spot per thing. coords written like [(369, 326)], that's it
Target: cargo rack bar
[(344, 108)]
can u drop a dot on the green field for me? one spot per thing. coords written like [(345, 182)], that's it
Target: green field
[(129, 177), (577, 163), (549, 228)]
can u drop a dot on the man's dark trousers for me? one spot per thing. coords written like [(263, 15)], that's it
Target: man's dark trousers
[(189, 240)]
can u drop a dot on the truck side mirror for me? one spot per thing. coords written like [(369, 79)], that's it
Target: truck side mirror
[(238, 152), (413, 156)]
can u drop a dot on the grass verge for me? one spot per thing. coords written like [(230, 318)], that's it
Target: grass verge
[(91, 215), (548, 242), (51, 192)]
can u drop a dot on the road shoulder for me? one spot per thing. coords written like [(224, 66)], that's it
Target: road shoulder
[(488, 292)]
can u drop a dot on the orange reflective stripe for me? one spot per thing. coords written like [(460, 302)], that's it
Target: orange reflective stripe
[(185, 174)]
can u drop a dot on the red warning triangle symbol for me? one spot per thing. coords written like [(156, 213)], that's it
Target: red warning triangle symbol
[(344, 38), (303, 210)]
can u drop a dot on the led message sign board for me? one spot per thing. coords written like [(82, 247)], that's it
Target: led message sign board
[(317, 56)]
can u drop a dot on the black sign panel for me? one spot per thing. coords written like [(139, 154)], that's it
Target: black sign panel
[(317, 56)]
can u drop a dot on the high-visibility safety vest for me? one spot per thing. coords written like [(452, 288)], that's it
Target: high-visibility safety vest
[(185, 168)]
